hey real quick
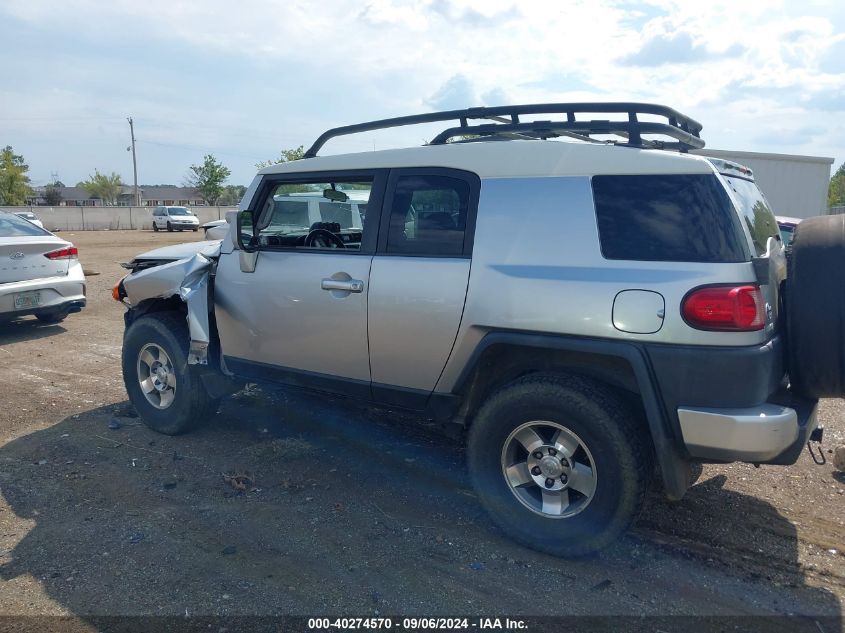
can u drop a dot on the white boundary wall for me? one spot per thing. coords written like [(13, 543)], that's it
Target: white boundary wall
[(108, 218)]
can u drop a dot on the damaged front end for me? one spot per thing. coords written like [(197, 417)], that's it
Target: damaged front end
[(187, 280)]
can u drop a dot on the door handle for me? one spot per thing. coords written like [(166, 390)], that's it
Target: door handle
[(351, 285)]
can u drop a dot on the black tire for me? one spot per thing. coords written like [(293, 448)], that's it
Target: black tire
[(51, 317), (619, 445), (155, 227), (815, 308), (170, 227), (196, 229), (191, 404)]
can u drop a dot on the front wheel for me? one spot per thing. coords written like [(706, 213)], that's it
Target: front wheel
[(155, 227), (167, 393), (560, 463), (170, 227)]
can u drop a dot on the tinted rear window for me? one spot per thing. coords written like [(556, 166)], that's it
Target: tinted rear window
[(678, 218)]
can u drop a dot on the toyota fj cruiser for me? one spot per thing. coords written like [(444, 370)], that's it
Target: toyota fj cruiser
[(587, 308)]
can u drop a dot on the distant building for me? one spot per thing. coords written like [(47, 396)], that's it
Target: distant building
[(162, 195), (151, 196)]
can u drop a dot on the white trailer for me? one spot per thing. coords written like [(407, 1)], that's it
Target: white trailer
[(795, 186)]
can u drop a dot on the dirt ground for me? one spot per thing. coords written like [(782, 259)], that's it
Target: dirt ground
[(347, 510)]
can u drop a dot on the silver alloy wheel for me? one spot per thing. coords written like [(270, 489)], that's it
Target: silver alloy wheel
[(156, 376), (549, 469)]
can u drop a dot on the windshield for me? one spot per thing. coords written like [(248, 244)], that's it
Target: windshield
[(178, 211), (755, 211), (289, 215), (13, 226)]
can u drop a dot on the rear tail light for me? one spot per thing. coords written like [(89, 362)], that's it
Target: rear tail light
[(71, 252), (725, 308)]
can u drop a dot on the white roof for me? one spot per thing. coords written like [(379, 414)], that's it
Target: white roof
[(512, 159)]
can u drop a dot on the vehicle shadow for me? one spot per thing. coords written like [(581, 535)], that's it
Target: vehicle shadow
[(27, 328), (299, 505)]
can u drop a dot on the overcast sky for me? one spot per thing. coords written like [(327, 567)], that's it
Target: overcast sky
[(243, 80)]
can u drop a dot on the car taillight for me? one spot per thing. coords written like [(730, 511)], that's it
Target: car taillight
[(726, 308), (71, 252)]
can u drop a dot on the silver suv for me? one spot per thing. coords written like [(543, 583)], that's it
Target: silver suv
[(592, 310)]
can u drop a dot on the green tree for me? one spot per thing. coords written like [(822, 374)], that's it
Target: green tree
[(231, 195), (53, 193), (106, 187), (208, 179), (14, 182), (286, 156), (836, 191)]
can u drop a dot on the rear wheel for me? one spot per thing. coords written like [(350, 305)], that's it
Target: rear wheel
[(167, 393), (815, 308), (560, 463)]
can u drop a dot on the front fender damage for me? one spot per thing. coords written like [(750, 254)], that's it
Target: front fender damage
[(189, 279)]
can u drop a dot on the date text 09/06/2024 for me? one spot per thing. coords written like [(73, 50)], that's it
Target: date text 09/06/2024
[(416, 624)]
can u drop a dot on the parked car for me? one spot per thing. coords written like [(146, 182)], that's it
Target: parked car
[(584, 310), (40, 274), (787, 228), (174, 219), (31, 217)]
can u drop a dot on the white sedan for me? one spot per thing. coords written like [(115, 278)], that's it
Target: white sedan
[(40, 273)]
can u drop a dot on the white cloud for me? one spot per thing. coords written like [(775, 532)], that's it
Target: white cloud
[(249, 78)]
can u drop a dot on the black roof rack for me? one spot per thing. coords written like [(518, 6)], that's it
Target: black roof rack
[(685, 131)]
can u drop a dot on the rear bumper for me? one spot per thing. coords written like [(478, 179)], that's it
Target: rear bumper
[(769, 433), (65, 293)]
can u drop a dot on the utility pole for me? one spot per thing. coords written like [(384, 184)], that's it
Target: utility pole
[(134, 162)]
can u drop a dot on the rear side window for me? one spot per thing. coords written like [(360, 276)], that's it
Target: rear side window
[(675, 218), (429, 216), (755, 211)]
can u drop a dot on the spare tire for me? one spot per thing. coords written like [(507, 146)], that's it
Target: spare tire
[(815, 308)]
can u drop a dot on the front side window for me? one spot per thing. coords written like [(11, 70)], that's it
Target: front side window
[(428, 216), (677, 217), (315, 215)]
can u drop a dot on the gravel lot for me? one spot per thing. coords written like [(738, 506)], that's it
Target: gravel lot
[(346, 509)]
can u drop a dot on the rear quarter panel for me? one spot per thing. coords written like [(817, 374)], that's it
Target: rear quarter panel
[(537, 267)]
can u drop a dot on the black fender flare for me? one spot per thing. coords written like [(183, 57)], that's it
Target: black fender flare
[(674, 468)]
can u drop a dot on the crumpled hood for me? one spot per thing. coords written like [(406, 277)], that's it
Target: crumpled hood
[(210, 248)]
